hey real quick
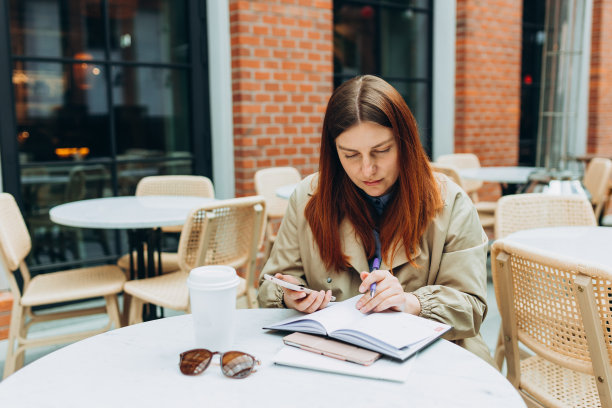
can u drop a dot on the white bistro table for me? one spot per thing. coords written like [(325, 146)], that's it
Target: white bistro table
[(592, 243), (509, 177), (137, 366), (140, 216), (285, 191)]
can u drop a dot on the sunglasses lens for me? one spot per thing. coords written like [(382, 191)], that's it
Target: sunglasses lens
[(193, 362), (236, 364)]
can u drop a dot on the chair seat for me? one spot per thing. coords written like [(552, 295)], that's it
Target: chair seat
[(75, 284), (169, 290), (487, 221), (486, 206), (169, 262), (556, 386)]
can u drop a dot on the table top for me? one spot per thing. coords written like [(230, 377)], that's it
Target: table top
[(138, 366), (285, 191), (126, 212), (510, 175), (592, 243)]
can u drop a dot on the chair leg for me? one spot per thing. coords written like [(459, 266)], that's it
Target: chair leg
[(135, 311), (14, 331), (112, 309), (498, 355), (125, 315)]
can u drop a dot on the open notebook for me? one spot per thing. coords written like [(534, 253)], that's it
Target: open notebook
[(395, 334)]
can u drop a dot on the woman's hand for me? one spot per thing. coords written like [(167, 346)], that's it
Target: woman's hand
[(389, 294), (300, 301)]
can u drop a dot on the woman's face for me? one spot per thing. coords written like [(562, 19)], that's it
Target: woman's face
[(369, 155)]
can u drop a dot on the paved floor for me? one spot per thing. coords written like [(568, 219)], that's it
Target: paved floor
[(489, 329)]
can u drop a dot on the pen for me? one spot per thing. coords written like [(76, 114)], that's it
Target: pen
[(375, 266)]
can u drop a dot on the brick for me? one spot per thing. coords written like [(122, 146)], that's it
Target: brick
[(6, 301)]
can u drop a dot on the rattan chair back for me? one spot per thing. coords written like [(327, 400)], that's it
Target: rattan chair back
[(50, 288), (449, 170), (560, 309), (597, 181), (197, 186), (538, 210), (463, 161), (15, 242), (266, 183), (224, 232)]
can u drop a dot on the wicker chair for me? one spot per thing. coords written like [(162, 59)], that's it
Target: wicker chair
[(597, 180), (560, 310), (198, 186), (47, 289), (224, 232), (523, 211), (266, 183), (487, 217)]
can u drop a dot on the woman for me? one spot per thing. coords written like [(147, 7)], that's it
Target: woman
[(375, 197)]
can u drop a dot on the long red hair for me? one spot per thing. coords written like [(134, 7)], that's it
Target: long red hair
[(416, 199)]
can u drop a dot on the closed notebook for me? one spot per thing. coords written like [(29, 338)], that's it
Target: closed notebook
[(395, 334), (382, 369), (331, 348)]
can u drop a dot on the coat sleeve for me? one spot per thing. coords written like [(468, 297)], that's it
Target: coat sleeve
[(457, 295), (285, 257)]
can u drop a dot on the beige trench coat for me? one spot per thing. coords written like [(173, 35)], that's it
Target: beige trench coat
[(450, 280)]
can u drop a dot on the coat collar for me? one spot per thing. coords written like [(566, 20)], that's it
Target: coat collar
[(353, 248)]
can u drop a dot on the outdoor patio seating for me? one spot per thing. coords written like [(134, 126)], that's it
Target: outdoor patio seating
[(224, 232), (48, 289), (197, 186), (486, 210), (557, 309), (536, 210), (597, 181), (266, 183)]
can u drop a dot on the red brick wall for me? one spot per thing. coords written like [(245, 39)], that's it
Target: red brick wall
[(600, 92), (487, 105), (6, 305), (282, 69)]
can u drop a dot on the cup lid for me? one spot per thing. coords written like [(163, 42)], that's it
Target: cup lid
[(213, 277)]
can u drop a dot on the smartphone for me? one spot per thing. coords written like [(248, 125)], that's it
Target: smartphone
[(292, 286), (331, 348)]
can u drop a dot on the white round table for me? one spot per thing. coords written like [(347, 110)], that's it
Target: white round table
[(509, 175), (285, 191), (137, 366), (126, 212), (592, 243), (140, 216)]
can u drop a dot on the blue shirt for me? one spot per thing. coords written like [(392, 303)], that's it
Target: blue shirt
[(379, 204)]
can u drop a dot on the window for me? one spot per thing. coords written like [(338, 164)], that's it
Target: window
[(393, 40)]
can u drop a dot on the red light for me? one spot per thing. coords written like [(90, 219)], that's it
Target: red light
[(528, 79), (367, 12)]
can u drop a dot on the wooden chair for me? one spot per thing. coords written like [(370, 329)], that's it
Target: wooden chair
[(197, 186), (559, 309), (224, 232), (597, 181), (487, 218), (537, 210), (266, 183), (47, 289)]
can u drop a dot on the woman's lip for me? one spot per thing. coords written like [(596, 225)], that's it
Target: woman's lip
[(371, 183)]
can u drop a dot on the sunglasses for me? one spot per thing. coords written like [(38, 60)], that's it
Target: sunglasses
[(234, 364)]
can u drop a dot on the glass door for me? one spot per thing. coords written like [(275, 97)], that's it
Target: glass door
[(102, 98)]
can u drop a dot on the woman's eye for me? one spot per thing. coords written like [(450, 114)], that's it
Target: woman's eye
[(382, 151), (350, 156)]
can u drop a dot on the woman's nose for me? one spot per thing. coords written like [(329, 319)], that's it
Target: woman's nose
[(368, 167)]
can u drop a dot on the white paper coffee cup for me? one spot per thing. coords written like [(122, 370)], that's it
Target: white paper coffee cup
[(212, 292)]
